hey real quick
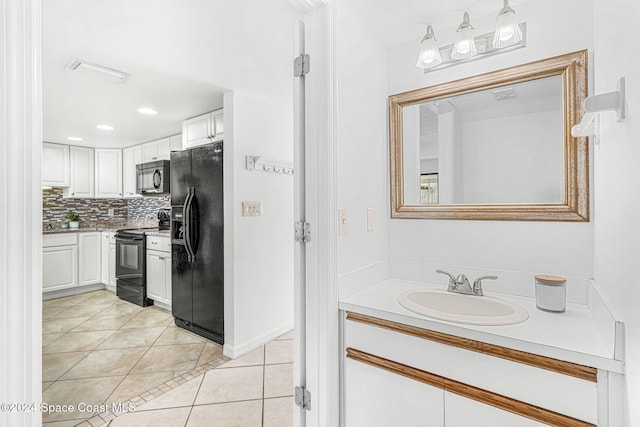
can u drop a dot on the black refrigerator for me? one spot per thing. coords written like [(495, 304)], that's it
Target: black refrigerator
[(197, 233)]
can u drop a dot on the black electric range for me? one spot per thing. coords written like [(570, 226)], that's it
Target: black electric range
[(131, 268)]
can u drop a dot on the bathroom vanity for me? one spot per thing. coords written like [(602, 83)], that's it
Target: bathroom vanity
[(402, 368)]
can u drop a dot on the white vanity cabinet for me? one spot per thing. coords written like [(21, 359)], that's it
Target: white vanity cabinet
[(108, 173), (475, 383), (131, 157), (158, 257), (55, 165), (59, 261), (89, 258), (81, 173), (203, 129)]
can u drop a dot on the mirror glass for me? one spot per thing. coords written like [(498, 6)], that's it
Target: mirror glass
[(495, 146), (501, 145)]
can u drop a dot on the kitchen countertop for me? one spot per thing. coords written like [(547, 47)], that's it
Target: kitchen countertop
[(573, 335), (101, 226)]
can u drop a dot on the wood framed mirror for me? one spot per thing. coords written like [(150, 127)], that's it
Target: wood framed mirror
[(500, 145)]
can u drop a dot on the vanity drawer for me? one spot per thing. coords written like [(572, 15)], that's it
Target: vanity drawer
[(157, 243), (575, 396)]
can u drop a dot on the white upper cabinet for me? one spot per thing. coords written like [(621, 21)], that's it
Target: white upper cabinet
[(176, 142), (55, 165), (81, 172), (131, 157), (108, 173), (159, 149), (203, 129)]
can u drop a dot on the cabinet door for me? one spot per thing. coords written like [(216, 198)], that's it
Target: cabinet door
[(217, 119), (89, 258), (176, 142), (196, 131), (155, 275), (378, 398), (108, 173), (463, 412), (105, 257), (59, 267), (130, 158), (167, 279), (164, 148), (112, 266), (149, 152), (55, 165), (81, 179)]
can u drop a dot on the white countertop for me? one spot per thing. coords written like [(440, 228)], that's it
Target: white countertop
[(572, 336)]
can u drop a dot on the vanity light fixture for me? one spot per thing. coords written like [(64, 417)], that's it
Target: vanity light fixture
[(507, 29), (429, 55), (105, 127), (465, 46), (508, 35)]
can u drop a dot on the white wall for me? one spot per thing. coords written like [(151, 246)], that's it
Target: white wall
[(514, 250), (362, 150), (617, 236)]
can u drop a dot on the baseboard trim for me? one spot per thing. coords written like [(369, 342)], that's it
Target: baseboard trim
[(72, 291), (236, 351)]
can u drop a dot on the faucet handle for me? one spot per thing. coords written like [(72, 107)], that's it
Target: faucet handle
[(477, 284), (452, 279)]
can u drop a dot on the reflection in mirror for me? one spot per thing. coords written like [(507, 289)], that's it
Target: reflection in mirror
[(501, 145), (495, 146)]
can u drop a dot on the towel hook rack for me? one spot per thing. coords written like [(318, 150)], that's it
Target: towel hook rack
[(592, 105)]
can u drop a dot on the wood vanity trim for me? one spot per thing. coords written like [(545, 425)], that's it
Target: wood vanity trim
[(480, 395), (560, 366)]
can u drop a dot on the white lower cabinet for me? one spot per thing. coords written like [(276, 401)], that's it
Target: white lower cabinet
[(59, 267), (378, 398), (159, 269), (108, 263), (89, 258), (463, 412)]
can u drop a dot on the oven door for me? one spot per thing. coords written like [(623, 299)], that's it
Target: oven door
[(130, 262)]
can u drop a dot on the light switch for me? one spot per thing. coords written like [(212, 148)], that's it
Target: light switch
[(370, 219), (251, 208), (342, 222)]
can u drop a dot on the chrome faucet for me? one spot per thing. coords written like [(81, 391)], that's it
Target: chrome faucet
[(461, 285)]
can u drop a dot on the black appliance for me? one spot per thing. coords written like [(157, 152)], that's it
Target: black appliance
[(153, 178), (197, 250), (164, 219), (131, 272)]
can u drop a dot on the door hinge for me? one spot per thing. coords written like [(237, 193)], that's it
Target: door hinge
[(301, 65), (303, 232), (303, 398)]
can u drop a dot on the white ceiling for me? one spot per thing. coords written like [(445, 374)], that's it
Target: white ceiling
[(176, 60)]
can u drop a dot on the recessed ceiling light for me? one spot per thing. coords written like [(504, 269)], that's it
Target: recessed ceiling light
[(105, 127), (147, 110), (74, 138)]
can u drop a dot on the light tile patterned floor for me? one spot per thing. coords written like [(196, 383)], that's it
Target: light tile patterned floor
[(99, 349)]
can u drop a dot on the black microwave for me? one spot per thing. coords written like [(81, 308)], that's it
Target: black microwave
[(153, 177)]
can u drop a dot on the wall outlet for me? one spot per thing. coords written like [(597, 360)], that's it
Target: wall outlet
[(110, 212), (370, 219), (342, 222), (251, 208)]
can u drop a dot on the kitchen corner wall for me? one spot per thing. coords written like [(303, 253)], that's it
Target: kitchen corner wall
[(515, 250), (55, 207)]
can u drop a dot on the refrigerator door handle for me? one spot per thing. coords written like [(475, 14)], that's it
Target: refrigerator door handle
[(187, 225), (194, 226)]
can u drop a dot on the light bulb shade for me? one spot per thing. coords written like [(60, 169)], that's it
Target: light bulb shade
[(507, 31), (465, 45), (429, 55)]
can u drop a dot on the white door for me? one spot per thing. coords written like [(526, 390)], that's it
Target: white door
[(317, 347), (156, 276), (82, 172), (108, 173), (89, 258), (131, 157), (59, 267)]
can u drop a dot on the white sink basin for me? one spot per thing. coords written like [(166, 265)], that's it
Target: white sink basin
[(459, 308)]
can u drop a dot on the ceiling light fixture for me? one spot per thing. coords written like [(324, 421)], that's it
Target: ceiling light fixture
[(465, 46), (111, 75), (507, 29), (429, 55), (74, 138), (506, 36), (105, 127), (148, 111)]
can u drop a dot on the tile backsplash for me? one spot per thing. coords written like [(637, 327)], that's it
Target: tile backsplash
[(55, 207)]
